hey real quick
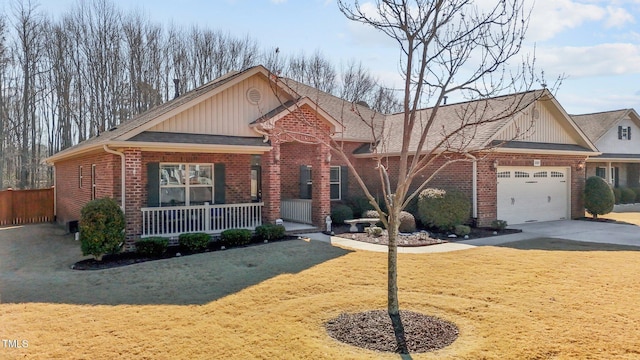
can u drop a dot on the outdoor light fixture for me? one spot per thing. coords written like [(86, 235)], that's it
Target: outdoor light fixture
[(495, 164), (580, 165)]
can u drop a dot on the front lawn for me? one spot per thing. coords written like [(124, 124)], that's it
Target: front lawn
[(507, 303)]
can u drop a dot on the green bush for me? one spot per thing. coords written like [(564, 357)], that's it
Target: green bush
[(637, 191), (101, 228), (359, 204), (498, 225), (598, 196), (194, 241), (340, 213), (627, 196), (443, 209), (152, 247), (270, 232), (236, 237), (462, 230), (407, 222), (617, 194)]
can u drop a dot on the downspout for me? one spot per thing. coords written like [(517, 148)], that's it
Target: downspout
[(474, 185), (122, 175)]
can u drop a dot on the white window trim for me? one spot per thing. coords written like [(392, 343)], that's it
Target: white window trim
[(187, 185), (339, 183), (624, 132)]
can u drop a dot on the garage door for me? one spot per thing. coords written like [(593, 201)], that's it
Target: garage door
[(527, 194)]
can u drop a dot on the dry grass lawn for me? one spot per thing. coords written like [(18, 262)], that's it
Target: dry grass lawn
[(628, 217), (507, 303)]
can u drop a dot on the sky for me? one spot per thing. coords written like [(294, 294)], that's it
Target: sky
[(593, 44)]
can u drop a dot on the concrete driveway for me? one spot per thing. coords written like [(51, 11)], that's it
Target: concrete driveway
[(576, 230)]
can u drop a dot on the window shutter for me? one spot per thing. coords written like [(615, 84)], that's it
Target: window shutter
[(219, 188), (619, 132), (153, 184), (304, 179), (629, 133), (344, 182)]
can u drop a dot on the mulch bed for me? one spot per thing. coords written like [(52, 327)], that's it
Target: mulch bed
[(129, 258), (418, 239), (372, 330)]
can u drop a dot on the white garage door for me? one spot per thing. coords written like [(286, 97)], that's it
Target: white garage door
[(527, 194)]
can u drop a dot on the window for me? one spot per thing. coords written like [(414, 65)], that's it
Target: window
[(334, 181), (93, 181), (601, 172), (540, 174), (80, 177), (557, 174), (504, 174), (624, 132), (337, 182), (521, 174), (186, 184)]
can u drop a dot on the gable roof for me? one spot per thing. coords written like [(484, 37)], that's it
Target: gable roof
[(127, 130), (482, 121), (595, 125)]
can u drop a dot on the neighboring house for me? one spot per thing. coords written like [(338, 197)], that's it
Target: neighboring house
[(248, 148), (617, 135)]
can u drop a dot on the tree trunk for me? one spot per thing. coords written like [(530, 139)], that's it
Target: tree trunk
[(393, 306)]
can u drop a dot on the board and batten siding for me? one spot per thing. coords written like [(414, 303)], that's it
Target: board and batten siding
[(226, 113), (544, 129)]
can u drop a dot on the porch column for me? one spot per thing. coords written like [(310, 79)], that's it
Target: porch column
[(321, 192), (609, 174), (271, 184), (134, 200)]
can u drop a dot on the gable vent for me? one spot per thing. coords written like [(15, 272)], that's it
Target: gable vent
[(254, 96)]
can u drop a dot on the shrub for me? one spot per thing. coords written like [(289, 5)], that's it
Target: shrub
[(195, 241), (101, 228), (370, 214), (236, 237), (617, 194), (498, 225), (407, 222), (443, 209), (373, 231), (637, 191), (462, 230), (598, 196), (152, 247), (627, 196), (359, 205), (340, 213), (270, 232)]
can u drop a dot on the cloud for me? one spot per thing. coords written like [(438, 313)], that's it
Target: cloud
[(599, 60), (550, 17), (618, 17)]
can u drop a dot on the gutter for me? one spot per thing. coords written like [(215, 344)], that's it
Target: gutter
[(474, 185), (122, 175)]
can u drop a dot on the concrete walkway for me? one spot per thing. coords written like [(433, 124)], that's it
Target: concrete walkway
[(576, 230)]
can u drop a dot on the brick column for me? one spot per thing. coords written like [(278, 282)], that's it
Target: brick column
[(271, 184), (321, 192), (487, 192), (134, 194)]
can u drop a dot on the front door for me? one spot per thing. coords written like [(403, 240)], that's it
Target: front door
[(256, 183)]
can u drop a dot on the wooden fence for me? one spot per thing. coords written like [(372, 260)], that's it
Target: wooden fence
[(26, 206)]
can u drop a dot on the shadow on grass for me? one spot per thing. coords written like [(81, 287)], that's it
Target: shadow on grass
[(194, 279), (553, 244)]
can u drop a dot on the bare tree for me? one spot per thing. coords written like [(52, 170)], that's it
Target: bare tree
[(446, 47)]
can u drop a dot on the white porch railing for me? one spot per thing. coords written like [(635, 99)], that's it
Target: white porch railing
[(296, 210), (211, 219)]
